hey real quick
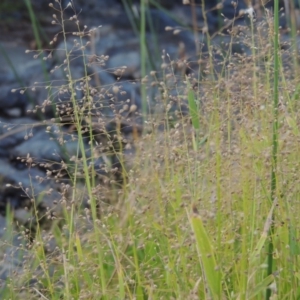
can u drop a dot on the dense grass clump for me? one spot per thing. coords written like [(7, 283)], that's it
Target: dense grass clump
[(207, 208)]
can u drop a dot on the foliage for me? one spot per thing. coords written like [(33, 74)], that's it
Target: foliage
[(193, 217)]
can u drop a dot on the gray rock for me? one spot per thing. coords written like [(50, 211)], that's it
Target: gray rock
[(12, 57), (19, 186), (19, 68), (12, 251), (10, 101), (15, 131), (130, 58)]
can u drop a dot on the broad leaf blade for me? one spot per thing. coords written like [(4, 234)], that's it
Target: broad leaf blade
[(207, 257)]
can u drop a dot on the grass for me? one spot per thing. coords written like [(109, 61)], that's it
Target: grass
[(209, 207)]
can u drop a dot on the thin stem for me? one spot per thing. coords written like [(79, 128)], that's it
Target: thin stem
[(274, 138)]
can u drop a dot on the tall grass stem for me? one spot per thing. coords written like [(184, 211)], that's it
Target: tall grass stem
[(274, 137)]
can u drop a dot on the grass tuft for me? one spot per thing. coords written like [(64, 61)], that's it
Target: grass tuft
[(186, 209)]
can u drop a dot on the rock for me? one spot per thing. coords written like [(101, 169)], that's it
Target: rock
[(13, 104), (13, 132), (232, 9), (270, 4), (19, 69), (130, 59), (12, 245), (184, 14), (19, 186)]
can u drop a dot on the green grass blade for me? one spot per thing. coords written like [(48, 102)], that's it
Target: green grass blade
[(207, 257), (293, 241), (275, 134), (256, 253), (143, 49), (193, 107), (261, 287)]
